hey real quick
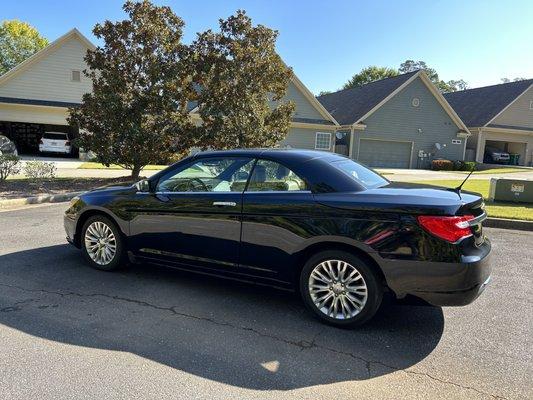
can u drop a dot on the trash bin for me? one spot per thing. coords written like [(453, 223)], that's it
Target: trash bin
[(513, 158)]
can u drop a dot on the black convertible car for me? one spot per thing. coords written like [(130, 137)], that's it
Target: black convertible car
[(319, 222)]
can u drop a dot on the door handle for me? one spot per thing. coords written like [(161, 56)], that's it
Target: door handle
[(224, 203)]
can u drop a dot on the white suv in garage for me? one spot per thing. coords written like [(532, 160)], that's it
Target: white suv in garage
[(55, 142)]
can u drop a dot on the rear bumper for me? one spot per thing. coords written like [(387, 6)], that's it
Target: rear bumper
[(441, 284), (53, 149)]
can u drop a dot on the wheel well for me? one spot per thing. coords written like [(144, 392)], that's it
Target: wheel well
[(308, 252), (84, 217)]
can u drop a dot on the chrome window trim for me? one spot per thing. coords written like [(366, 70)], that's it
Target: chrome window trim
[(248, 191)]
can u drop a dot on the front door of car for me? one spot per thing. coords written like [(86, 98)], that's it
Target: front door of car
[(193, 218)]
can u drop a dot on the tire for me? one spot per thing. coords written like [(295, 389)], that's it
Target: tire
[(362, 303), (100, 226)]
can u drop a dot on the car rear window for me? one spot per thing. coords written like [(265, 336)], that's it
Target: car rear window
[(364, 176), (55, 136)]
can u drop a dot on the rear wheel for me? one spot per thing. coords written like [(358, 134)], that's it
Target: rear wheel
[(101, 243), (340, 288)]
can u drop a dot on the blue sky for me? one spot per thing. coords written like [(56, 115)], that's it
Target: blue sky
[(327, 41)]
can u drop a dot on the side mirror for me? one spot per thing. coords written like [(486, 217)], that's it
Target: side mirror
[(143, 186)]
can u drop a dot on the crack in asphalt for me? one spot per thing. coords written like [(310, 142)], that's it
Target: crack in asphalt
[(301, 344)]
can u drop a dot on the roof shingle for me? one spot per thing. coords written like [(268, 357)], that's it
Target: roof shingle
[(349, 105), (476, 107)]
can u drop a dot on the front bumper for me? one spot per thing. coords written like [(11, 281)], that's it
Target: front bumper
[(439, 283), (70, 229)]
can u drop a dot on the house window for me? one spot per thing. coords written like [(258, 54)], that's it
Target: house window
[(456, 141), (531, 104), (76, 76), (323, 141), (415, 102)]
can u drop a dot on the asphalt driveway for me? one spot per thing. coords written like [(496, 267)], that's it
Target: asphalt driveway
[(67, 331)]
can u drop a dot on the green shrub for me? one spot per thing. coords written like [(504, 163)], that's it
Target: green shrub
[(9, 165), (469, 165), (39, 170), (442, 165)]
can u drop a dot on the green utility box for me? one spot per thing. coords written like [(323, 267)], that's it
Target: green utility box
[(514, 190), (514, 159)]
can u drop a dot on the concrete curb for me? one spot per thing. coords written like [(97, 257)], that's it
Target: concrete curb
[(44, 198), (503, 223)]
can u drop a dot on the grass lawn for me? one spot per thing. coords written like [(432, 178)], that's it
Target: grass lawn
[(507, 170), (499, 210), (95, 165)]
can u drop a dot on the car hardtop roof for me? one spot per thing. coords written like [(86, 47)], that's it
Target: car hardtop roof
[(276, 154)]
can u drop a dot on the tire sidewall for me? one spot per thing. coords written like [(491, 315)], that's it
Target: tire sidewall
[(116, 262), (374, 287)]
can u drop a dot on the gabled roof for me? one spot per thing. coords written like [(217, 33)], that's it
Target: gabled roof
[(477, 107), (46, 50), (349, 106), (353, 106)]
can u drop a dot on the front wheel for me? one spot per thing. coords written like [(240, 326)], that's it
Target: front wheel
[(101, 243), (340, 288)]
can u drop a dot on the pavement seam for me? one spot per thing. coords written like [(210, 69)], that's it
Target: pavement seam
[(302, 344)]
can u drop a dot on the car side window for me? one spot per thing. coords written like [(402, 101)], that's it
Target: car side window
[(208, 175), (272, 176)]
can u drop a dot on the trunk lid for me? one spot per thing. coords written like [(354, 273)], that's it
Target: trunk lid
[(413, 199)]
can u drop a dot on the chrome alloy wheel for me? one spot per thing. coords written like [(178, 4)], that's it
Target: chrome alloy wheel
[(338, 289), (100, 243)]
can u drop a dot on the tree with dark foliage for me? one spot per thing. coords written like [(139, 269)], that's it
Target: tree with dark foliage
[(242, 82), (137, 111)]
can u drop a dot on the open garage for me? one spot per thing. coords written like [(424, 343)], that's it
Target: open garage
[(499, 117)]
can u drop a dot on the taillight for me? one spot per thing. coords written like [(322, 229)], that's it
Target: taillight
[(41, 141), (451, 229), (67, 143)]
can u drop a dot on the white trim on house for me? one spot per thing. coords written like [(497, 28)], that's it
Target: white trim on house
[(312, 99), (329, 134), (432, 88), (44, 52), (390, 96), (510, 104)]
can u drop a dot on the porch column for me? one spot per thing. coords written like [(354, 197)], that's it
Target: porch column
[(480, 148)]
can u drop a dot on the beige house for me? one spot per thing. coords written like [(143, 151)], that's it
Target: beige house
[(35, 97), (36, 94), (499, 117)]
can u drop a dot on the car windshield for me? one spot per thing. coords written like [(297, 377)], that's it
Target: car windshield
[(55, 136), (364, 176)]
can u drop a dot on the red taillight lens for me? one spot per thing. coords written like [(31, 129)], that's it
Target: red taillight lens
[(67, 143), (451, 229), (41, 141)]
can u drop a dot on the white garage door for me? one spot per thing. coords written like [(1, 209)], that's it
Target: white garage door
[(384, 154)]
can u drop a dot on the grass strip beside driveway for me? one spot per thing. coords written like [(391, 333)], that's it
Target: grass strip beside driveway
[(499, 210)]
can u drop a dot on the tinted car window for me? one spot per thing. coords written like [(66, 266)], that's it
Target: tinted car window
[(272, 176), (208, 175), (55, 136), (366, 177)]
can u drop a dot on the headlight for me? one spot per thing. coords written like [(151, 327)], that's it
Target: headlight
[(73, 201)]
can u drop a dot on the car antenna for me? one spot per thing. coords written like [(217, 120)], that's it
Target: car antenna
[(458, 188)]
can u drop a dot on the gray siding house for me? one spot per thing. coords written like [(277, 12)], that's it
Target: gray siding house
[(398, 122), (498, 116)]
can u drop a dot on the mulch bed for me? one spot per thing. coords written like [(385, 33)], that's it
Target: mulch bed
[(12, 189)]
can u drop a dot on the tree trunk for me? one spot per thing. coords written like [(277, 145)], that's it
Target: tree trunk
[(135, 172)]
